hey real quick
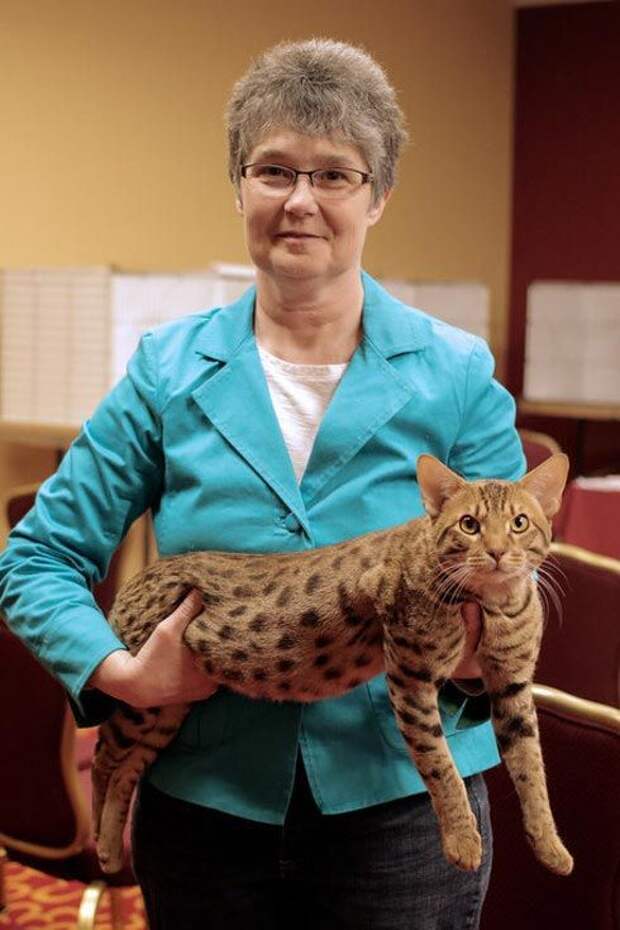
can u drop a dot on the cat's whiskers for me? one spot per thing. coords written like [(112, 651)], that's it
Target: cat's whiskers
[(550, 588), (552, 566), (446, 576), (452, 582)]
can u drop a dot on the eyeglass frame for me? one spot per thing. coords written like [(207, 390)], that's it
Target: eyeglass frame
[(366, 176)]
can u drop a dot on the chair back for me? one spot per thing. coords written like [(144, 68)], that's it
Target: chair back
[(42, 808), (18, 502), (581, 746), (45, 787), (580, 651), (537, 447)]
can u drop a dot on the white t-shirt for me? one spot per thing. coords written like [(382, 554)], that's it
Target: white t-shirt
[(300, 395)]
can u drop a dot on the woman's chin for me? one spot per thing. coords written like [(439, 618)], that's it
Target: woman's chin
[(292, 267)]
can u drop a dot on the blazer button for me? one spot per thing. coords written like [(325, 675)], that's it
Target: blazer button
[(291, 523)]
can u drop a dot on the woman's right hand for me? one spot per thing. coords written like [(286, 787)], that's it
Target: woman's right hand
[(162, 671)]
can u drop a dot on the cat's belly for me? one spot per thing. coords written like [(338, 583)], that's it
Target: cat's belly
[(291, 668), (307, 685)]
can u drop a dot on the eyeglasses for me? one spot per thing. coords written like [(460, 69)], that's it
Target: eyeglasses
[(332, 183)]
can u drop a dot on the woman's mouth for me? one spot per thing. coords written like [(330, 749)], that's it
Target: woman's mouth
[(287, 234)]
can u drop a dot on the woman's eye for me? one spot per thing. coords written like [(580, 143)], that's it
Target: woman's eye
[(469, 524), (334, 177), (519, 523), (271, 171)]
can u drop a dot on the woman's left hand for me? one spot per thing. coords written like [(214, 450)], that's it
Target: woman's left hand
[(468, 666)]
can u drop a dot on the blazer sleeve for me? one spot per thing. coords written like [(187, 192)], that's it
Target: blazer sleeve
[(487, 444), (109, 476)]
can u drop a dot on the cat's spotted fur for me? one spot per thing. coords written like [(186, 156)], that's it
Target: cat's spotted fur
[(311, 625)]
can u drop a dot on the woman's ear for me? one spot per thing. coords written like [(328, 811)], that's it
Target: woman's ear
[(238, 202), (375, 211)]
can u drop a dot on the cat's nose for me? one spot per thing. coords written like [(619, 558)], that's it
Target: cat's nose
[(496, 554)]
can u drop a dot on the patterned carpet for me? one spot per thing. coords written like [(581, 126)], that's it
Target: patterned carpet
[(38, 902)]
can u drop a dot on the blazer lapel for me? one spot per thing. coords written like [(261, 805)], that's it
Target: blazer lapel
[(372, 391), (237, 402)]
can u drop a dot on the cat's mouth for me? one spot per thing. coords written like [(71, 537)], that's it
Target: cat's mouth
[(494, 567), (501, 572)]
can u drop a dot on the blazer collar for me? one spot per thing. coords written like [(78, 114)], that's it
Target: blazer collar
[(388, 324)]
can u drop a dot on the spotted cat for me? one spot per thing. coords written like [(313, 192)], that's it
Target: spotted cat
[(314, 624)]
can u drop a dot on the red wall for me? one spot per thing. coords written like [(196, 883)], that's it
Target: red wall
[(566, 192)]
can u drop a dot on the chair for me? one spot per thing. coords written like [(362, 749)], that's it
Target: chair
[(17, 503), (581, 745), (580, 650), (44, 795), (591, 515), (537, 447), (45, 772)]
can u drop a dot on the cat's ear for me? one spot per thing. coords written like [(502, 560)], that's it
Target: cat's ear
[(546, 482), (437, 483)]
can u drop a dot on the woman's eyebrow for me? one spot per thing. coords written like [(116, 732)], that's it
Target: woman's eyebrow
[(279, 156)]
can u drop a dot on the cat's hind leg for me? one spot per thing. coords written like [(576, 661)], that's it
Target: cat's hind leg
[(116, 738), (507, 663), (516, 727), (129, 742), (413, 688)]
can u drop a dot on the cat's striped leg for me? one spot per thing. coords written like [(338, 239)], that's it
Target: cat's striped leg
[(507, 652), (516, 727), (129, 742), (116, 738), (414, 696)]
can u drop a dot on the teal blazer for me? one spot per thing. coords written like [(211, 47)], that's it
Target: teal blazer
[(191, 433)]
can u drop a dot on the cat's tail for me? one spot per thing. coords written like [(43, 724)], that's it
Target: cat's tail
[(128, 744)]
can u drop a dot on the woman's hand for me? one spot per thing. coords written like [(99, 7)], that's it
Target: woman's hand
[(163, 671), (468, 666)]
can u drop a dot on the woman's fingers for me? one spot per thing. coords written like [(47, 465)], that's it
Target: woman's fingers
[(189, 608)]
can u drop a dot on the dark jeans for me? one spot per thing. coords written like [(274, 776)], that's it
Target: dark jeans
[(381, 868)]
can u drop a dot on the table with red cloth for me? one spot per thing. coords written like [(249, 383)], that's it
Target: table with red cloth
[(590, 515)]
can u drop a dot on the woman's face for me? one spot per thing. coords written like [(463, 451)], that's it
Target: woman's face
[(300, 234)]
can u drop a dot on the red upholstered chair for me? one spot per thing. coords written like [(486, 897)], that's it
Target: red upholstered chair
[(44, 794), (580, 650), (17, 503), (537, 447), (581, 745), (45, 769)]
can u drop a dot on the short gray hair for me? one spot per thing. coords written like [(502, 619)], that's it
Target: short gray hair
[(318, 87)]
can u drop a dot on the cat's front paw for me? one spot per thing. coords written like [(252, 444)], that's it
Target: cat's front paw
[(551, 851), (463, 849)]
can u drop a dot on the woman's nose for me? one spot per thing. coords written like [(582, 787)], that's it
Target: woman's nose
[(302, 199)]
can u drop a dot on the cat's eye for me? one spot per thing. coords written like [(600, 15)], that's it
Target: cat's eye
[(519, 523), (469, 524)]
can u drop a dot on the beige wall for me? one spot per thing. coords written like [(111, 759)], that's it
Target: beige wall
[(113, 144)]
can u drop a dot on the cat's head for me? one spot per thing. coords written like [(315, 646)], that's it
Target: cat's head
[(491, 531)]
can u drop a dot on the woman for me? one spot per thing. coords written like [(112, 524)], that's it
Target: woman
[(290, 420)]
